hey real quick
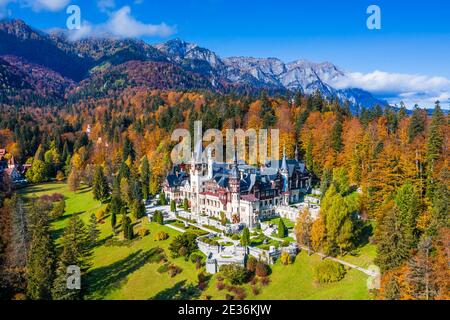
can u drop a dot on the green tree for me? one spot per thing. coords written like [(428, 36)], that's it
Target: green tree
[(76, 251), (416, 124), (173, 207), (127, 228), (100, 185), (245, 238), (145, 177), (282, 230), (93, 231), (185, 204), (392, 248), (162, 199), (41, 255), (407, 202), (138, 209), (440, 206)]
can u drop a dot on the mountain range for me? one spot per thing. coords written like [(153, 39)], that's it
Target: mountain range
[(50, 66)]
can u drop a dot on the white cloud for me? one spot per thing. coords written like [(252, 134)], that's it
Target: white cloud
[(122, 24), (395, 87), (106, 5), (49, 5)]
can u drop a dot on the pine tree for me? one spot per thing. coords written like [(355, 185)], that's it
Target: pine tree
[(76, 251), (93, 231), (435, 146), (407, 202), (392, 247), (138, 209), (245, 237), (145, 177), (416, 125), (172, 206), (41, 255), (440, 206), (100, 185), (185, 204), (127, 228)]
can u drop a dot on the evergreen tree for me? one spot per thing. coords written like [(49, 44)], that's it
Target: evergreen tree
[(245, 237), (100, 185), (76, 251), (185, 204), (138, 209), (440, 206), (392, 248), (282, 230), (172, 206), (41, 254), (416, 124), (407, 202), (93, 232), (392, 289), (145, 177), (127, 228), (325, 181), (162, 199)]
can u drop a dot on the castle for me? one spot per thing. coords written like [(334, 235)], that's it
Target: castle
[(243, 193)]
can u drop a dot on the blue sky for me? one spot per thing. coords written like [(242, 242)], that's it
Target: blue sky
[(408, 58)]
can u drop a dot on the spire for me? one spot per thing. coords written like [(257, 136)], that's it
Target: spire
[(234, 169), (284, 163), (296, 152)]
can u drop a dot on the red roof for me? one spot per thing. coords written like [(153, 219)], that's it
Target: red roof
[(249, 197)]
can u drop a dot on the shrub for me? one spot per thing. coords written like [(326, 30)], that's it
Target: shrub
[(60, 176), (265, 281), (235, 273), (251, 264), (58, 208), (285, 243), (220, 285), (100, 215), (286, 258), (183, 245), (174, 270), (161, 235), (143, 232), (262, 269), (163, 268), (235, 237), (329, 271), (255, 290)]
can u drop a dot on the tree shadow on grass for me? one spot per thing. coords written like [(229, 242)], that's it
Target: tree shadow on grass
[(103, 280), (180, 291)]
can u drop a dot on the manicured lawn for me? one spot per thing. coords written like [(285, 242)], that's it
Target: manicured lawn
[(288, 223), (124, 270), (296, 282)]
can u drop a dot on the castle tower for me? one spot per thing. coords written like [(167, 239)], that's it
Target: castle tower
[(285, 178), (234, 183), (210, 164)]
